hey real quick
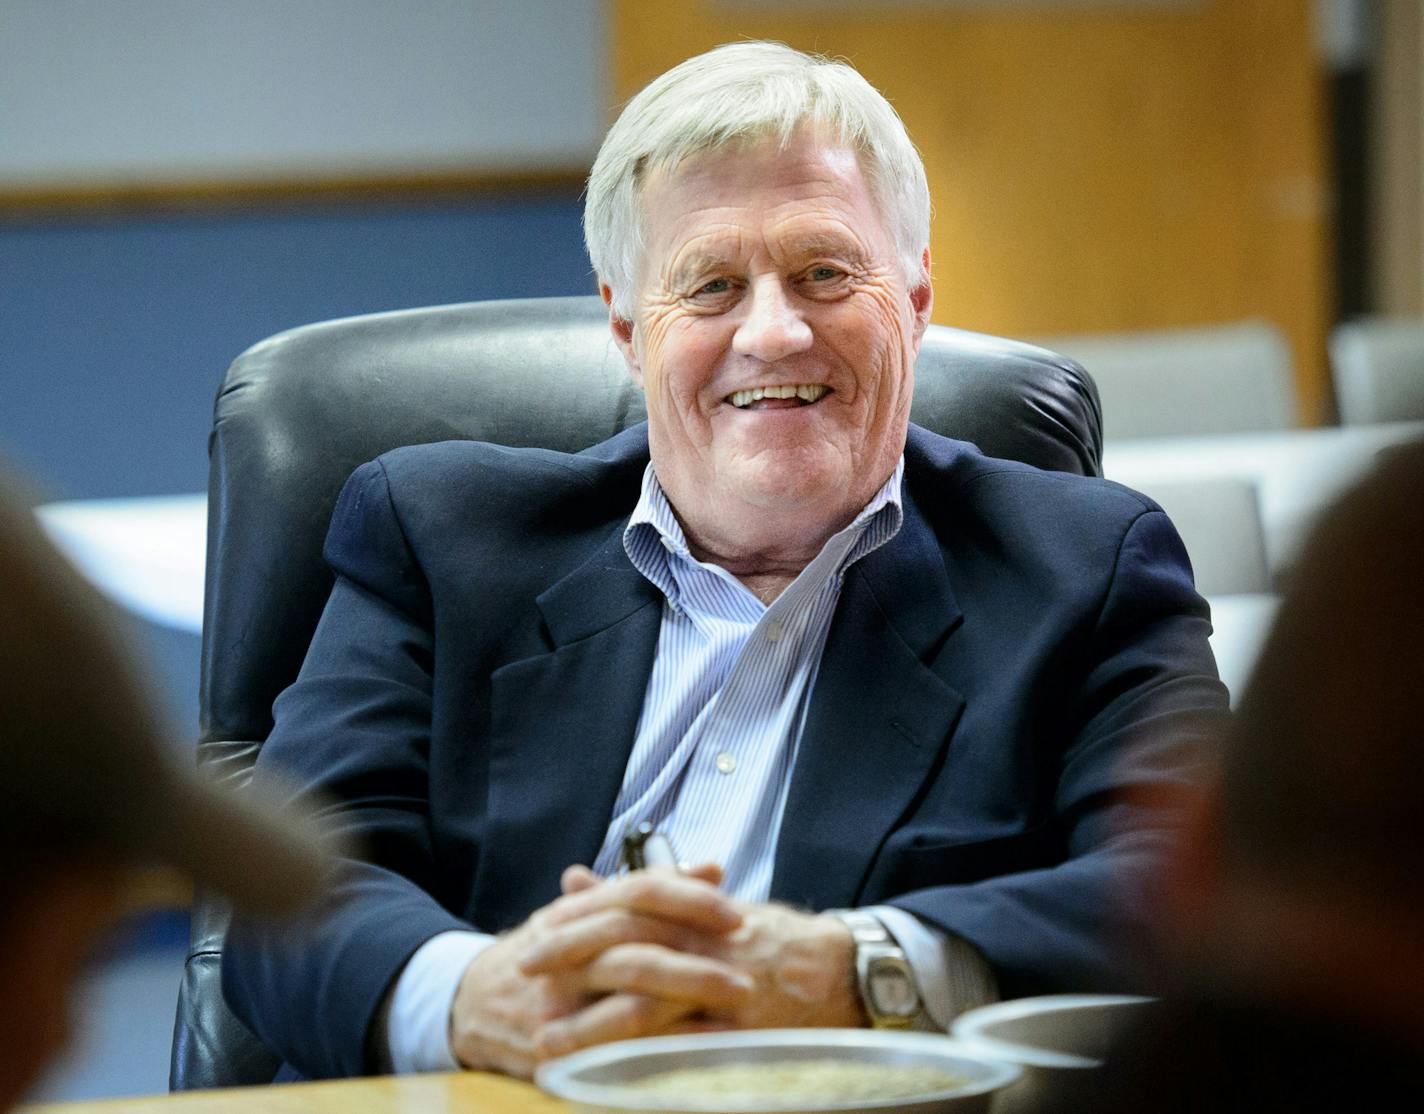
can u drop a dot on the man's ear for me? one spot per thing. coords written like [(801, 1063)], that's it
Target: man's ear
[(622, 330), (922, 298)]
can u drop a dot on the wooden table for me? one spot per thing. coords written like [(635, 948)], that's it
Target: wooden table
[(452, 1093)]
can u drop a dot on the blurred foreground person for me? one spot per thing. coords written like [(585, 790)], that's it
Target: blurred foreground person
[(88, 793), (1298, 979)]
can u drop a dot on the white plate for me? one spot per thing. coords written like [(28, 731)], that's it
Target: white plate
[(595, 1079)]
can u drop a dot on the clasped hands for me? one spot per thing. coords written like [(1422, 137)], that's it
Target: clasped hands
[(650, 952)]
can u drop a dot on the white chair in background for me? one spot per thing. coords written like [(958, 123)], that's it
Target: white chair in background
[(1234, 378), (1219, 520), (1292, 474), (1378, 367), (1296, 472)]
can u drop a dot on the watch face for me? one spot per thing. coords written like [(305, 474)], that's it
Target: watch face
[(892, 989)]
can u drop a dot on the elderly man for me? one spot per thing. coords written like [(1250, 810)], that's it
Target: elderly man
[(843, 664)]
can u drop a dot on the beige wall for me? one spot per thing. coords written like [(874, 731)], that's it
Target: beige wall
[(1095, 170)]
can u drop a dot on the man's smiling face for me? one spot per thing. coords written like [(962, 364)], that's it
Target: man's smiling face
[(774, 335)]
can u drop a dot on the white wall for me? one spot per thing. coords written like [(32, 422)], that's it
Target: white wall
[(171, 90)]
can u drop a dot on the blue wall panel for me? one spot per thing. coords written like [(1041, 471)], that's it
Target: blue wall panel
[(114, 334)]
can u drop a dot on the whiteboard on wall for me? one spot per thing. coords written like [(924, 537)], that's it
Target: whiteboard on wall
[(167, 91)]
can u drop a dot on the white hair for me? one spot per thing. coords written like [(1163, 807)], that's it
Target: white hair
[(738, 92)]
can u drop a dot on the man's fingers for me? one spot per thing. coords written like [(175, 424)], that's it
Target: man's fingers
[(657, 892), (617, 1017), (659, 972), (577, 878), (577, 942)]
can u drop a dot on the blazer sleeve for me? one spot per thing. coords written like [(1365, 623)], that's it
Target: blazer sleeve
[(351, 740), (1144, 708)]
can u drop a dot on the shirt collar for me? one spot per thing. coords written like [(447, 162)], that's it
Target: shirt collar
[(654, 537)]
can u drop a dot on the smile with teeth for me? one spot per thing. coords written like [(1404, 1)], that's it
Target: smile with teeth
[(806, 392)]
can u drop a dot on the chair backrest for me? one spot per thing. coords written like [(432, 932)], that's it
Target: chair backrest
[(1234, 378), (1377, 364), (297, 413)]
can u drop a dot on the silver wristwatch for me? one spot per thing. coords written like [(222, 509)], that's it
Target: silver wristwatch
[(882, 973)]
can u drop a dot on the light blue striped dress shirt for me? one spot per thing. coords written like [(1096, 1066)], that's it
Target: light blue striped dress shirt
[(712, 758)]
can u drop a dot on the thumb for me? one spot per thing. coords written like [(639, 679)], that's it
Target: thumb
[(577, 878)]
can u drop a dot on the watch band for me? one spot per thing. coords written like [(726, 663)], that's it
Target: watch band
[(883, 976)]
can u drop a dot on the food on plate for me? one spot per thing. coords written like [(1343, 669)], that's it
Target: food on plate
[(795, 1083)]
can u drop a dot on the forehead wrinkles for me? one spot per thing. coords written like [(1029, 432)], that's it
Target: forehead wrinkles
[(788, 234), (830, 231), (713, 246), (755, 191)]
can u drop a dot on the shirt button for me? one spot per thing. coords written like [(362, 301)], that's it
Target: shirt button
[(726, 763), (773, 631), (668, 545)]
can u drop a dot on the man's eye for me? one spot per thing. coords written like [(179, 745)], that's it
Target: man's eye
[(823, 274), (716, 286)]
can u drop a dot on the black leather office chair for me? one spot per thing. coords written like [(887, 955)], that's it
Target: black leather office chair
[(297, 413)]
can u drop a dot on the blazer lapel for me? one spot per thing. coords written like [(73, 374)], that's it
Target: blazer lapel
[(562, 726), (879, 721)]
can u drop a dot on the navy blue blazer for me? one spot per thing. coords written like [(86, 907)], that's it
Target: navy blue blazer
[(1028, 649)]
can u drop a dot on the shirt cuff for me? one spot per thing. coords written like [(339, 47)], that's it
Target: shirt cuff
[(418, 1024), (951, 974)]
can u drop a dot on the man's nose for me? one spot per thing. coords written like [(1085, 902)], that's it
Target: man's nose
[(774, 326)]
